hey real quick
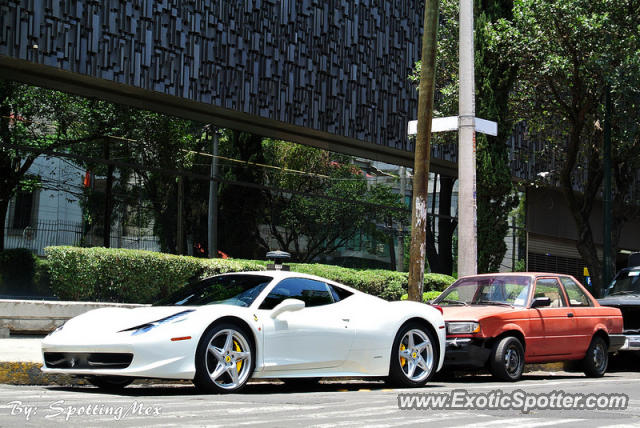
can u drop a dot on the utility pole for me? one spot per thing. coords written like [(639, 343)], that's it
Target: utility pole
[(400, 249), (466, 124), (213, 198), (467, 219), (180, 231), (606, 194), (423, 151)]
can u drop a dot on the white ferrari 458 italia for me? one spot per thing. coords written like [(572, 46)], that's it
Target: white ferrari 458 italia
[(224, 330)]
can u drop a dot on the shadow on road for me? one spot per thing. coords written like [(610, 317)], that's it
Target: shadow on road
[(446, 379)]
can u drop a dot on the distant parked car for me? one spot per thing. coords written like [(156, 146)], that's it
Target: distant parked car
[(502, 321), (224, 330), (624, 293)]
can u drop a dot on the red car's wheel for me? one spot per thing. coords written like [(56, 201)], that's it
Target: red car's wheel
[(597, 359), (507, 359)]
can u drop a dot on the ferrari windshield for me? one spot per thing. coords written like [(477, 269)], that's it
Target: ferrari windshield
[(626, 282), (488, 290), (236, 290)]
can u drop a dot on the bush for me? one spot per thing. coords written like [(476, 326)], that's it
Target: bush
[(437, 281), (132, 276), (18, 265), (426, 296), (387, 284), (21, 273)]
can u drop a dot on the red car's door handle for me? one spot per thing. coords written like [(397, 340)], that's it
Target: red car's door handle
[(570, 314)]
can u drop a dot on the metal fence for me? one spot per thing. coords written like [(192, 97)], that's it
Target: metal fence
[(50, 233)]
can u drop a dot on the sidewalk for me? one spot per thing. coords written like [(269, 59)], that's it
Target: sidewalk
[(20, 362)]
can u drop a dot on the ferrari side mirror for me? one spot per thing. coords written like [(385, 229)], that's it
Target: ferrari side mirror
[(287, 305)]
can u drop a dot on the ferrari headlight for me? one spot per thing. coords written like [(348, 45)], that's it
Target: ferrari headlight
[(139, 329), (462, 327)]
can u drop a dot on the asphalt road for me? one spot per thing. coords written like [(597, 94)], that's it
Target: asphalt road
[(328, 404)]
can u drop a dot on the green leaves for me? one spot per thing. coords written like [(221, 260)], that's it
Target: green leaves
[(112, 275)]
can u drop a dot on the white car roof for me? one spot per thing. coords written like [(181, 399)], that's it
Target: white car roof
[(281, 274)]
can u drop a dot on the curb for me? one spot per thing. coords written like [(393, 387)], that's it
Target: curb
[(547, 367), (24, 373)]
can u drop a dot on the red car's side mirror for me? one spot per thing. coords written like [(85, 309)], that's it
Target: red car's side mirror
[(540, 302)]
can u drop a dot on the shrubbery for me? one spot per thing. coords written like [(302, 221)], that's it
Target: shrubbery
[(116, 275), (426, 296), (22, 273), (132, 276)]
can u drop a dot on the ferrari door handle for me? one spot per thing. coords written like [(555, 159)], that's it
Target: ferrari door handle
[(570, 314)]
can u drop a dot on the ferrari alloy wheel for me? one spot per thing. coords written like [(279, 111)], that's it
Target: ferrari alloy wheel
[(110, 383), (414, 356), (597, 358), (507, 359), (224, 359)]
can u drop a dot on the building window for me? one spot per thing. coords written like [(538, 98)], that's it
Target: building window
[(23, 210)]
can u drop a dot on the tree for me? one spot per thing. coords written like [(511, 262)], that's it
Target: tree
[(568, 53), (495, 76), (309, 226), (161, 145), (33, 120)]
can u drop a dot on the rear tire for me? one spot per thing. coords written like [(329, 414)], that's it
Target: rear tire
[(507, 359), (596, 361), (414, 356), (110, 383)]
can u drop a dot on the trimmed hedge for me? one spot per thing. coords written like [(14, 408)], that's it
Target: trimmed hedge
[(426, 296), (131, 276), (117, 275), (23, 274)]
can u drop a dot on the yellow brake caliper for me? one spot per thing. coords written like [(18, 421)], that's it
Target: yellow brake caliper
[(238, 349), (402, 360)]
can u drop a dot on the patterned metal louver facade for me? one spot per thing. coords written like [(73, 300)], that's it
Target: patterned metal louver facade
[(339, 67)]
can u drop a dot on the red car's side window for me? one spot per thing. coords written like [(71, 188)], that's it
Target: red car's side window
[(577, 296), (550, 287)]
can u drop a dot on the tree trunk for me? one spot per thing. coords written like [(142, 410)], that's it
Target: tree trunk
[(423, 152), (4, 206), (446, 225), (108, 206)]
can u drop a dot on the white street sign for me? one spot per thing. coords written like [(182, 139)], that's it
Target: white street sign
[(450, 123)]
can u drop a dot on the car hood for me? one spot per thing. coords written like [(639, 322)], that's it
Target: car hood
[(117, 319), (474, 313), (621, 300)]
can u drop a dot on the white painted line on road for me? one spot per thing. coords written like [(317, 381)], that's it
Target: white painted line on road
[(511, 385), (370, 423), (520, 423)]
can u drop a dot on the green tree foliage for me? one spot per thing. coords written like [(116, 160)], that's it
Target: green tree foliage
[(310, 226), (567, 53), (33, 120), (495, 76)]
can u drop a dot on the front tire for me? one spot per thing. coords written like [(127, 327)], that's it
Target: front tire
[(225, 359), (414, 356), (507, 359), (596, 361), (110, 383)]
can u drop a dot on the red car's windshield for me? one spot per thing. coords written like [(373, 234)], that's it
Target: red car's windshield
[(487, 290)]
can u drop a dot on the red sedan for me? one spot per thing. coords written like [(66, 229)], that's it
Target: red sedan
[(502, 321)]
